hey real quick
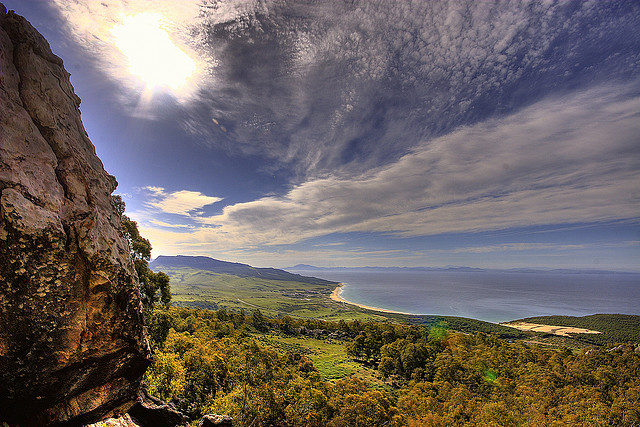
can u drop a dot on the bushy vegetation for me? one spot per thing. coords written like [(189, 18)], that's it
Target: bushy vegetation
[(466, 325), (211, 361)]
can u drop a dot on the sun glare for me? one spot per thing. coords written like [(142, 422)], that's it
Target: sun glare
[(152, 55)]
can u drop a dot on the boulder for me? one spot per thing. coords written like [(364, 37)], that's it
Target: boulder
[(213, 420), (123, 421), (72, 343), (153, 412)]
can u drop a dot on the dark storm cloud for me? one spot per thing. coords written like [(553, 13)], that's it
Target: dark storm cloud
[(345, 86)]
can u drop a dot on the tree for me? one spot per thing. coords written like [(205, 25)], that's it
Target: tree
[(356, 405), (154, 287), (166, 376), (258, 320)]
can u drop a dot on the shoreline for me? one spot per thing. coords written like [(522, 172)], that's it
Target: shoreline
[(564, 331), (335, 296)]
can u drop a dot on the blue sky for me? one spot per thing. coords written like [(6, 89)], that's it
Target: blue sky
[(425, 133)]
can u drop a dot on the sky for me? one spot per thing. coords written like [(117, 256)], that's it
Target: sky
[(493, 134)]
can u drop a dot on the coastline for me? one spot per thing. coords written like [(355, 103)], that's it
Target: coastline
[(335, 296)]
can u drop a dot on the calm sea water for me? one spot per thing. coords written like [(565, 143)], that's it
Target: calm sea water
[(490, 296)]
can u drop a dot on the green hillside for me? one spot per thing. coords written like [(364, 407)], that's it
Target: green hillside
[(197, 288), (234, 268)]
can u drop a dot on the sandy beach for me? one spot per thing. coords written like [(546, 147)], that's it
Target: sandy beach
[(562, 331), (335, 296)]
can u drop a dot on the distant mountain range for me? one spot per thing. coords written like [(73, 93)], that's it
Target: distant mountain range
[(234, 268), (245, 270), (308, 268)]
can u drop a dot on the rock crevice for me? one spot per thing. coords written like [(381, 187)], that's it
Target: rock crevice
[(72, 346)]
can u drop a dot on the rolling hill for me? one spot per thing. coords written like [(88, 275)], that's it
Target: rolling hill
[(233, 268)]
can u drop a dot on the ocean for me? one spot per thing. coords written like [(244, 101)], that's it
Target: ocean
[(493, 296)]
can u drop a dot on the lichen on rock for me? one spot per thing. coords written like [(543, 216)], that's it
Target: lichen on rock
[(72, 345)]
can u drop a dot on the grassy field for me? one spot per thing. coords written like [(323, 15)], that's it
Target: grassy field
[(274, 298), (329, 356), (197, 288)]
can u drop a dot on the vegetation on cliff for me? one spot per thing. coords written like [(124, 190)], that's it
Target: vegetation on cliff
[(154, 286)]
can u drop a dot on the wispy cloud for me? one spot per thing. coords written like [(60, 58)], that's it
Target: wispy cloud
[(355, 85), (560, 161), (399, 118), (510, 247), (529, 247)]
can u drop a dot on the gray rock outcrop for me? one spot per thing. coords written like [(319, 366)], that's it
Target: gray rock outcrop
[(72, 346), (213, 420)]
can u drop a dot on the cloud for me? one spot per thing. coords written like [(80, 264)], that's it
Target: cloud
[(401, 118), (168, 225), (182, 202), (545, 247), (96, 25), (349, 85), (353, 85), (561, 161), (510, 247)]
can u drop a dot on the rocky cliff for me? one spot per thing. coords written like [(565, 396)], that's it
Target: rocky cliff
[(72, 346)]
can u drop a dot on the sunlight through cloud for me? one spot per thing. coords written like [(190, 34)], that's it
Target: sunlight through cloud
[(152, 56)]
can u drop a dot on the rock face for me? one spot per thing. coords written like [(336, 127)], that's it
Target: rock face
[(72, 346)]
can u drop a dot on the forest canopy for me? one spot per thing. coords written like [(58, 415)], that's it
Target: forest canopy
[(211, 361)]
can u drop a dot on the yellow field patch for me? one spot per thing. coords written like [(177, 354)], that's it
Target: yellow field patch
[(562, 331)]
